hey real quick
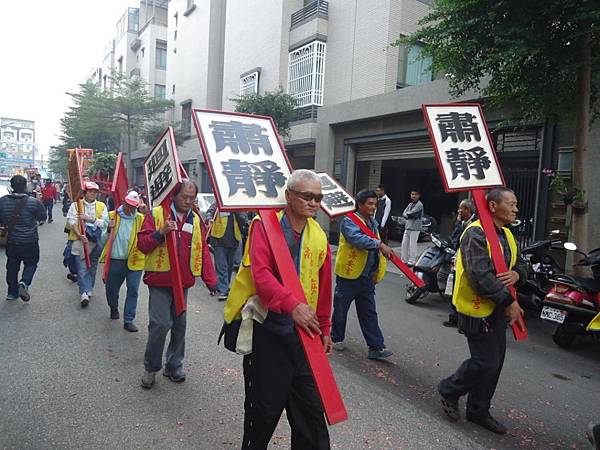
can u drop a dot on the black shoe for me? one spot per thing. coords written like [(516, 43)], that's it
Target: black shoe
[(450, 407), (452, 321), (50, 220), (487, 422), (72, 277), (130, 327), (114, 315), (175, 375), (593, 434)]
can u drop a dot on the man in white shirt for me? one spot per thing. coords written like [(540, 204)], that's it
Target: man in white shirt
[(95, 217), (384, 207)]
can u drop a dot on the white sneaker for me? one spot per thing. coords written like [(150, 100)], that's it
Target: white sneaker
[(339, 346), (85, 300)]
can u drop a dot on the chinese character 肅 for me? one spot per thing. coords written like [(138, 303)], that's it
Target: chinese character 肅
[(240, 137)]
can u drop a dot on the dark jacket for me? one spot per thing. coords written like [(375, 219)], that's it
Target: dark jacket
[(25, 229)]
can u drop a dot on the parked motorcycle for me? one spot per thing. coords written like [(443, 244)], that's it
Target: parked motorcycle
[(573, 301), (436, 268), (540, 266)]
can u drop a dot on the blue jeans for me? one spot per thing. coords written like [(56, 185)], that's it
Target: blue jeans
[(29, 255), (224, 261), (70, 261), (118, 272), (87, 277), (362, 291), (49, 205)]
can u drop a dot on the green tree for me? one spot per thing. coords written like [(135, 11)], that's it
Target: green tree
[(542, 56), (104, 164), (153, 130), (279, 105)]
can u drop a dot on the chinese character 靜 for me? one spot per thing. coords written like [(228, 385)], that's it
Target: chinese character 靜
[(157, 159), (458, 127), (240, 137), (466, 162), (326, 183), (162, 182), (337, 199), (246, 176)]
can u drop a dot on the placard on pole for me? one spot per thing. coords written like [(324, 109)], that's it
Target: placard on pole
[(467, 161)]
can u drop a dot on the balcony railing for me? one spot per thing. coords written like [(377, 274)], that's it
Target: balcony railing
[(306, 112), (318, 8)]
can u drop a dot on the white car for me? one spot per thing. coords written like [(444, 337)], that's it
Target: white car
[(4, 188), (204, 200)]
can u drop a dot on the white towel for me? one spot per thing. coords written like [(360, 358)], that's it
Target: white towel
[(253, 310)]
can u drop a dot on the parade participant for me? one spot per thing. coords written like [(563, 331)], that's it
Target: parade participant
[(194, 261), (484, 304), (48, 197), (225, 237), (95, 218), (413, 216), (126, 260), (20, 214), (465, 216), (358, 267), (593, 434), (276, 373), (384, 207)]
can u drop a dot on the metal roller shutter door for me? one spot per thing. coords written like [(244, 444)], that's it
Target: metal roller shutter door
[(404, 149)]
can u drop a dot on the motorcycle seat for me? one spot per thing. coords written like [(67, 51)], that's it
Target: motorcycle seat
[(588, 284)]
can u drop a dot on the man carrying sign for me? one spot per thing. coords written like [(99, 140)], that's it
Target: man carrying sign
[(126, 260), (194, 261), (276, 372), (484, 304), (359, 266)]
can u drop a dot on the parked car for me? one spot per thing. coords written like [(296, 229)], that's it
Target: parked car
[(4, 188), (204, 200), (396, 227)]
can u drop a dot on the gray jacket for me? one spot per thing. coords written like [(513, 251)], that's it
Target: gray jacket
[(25, 230), (413, 215)]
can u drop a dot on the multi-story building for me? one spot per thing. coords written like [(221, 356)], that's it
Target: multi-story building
[(17, 145)]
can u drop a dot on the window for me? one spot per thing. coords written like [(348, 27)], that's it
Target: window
[(413, 68), (190, 4), (160, 91), (249, 83), (173, 90), (133, 22), (120, 61), (306, 74), (176, 16), (175, 35), (143, 51), (186, 116), (161, 54)]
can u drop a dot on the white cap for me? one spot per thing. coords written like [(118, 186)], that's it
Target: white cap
[(90, 185), (132, 199)]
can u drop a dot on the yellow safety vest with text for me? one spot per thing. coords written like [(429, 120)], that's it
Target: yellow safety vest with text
[(220, 225), (135, 258), (99, 211), (351, 261), (158, 259), (594, 325), (313, 252), (464, 298)]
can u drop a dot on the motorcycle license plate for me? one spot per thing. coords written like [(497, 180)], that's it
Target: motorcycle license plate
[(555, 315)]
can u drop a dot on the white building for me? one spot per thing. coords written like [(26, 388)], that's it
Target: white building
[(17, 145)]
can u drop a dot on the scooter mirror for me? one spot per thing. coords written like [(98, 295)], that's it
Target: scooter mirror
[(554, 232), (516, 223), (570, 246)]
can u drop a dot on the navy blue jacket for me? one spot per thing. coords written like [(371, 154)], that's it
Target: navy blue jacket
[(25, 230)]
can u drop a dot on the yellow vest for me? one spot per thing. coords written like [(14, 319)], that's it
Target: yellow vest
[(99, 211), (464, 298), (313, 252), (158, 259), (594, 325), (220, 225), (351, 261), (135, 258)]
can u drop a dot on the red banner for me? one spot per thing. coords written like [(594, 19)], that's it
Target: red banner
[(333, 405), (119, 188)]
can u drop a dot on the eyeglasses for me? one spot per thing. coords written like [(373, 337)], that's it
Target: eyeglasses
[(308, 196)]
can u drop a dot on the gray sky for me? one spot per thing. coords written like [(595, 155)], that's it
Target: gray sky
[(48, 48)]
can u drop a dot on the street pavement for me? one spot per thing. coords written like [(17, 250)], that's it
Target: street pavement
[(70, 378)]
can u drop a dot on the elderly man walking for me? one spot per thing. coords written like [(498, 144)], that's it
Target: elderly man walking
[(126, 260), (94, 215), (276, 373), (194, 261), (20, 214), (484, 304)]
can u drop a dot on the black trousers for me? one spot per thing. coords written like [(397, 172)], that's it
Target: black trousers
[(277, 376), (478, 375)]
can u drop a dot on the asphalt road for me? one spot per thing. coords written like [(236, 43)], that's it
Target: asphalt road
[(70, 378)]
